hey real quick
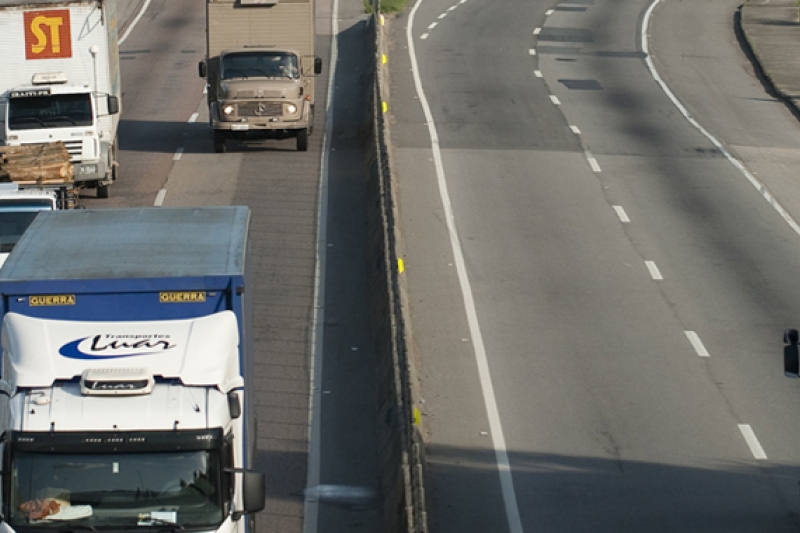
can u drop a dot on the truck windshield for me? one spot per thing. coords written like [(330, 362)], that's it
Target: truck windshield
[(15, 217), (52, 111), (116, 490), (259, 65)]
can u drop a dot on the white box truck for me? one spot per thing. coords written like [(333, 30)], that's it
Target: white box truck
[(127, 373), (60, 81), (260, 68)]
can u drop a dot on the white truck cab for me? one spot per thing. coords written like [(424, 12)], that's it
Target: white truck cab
[(18, 208)]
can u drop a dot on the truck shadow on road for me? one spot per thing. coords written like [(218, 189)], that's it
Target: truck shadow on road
[(197, 138), (561, 493)]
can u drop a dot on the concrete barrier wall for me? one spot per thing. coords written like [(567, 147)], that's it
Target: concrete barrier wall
[(399, 440)]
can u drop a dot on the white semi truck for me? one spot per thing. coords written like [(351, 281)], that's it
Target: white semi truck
[(260, 68), (127, 373), (60, 81)]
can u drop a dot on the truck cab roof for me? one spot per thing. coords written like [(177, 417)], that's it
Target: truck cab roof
[(18, 208)]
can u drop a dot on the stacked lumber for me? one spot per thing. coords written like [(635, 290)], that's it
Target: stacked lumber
[(36, 164)]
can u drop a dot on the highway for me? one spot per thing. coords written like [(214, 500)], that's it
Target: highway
[(595, 202), (167, 159)]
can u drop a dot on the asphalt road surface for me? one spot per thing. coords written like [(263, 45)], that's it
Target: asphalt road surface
[(598, 273), (167, 159)]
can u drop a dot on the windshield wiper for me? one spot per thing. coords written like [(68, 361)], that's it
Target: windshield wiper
[(73, 527)]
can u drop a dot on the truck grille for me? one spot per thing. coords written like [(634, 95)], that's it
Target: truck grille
[(261, 109)]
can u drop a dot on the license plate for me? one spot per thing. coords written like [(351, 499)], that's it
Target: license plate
[(240, 127)]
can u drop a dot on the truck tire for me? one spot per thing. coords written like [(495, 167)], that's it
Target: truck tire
[(302, 140), (220, 144), (102, 191)]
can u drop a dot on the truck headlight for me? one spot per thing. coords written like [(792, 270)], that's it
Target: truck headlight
[(291, 109), (228, 110)]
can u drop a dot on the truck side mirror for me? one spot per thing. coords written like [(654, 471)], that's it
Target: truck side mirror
[(113, 104), (254, 494), (317, 65), (202, 69), (791, 358), (234, 406)]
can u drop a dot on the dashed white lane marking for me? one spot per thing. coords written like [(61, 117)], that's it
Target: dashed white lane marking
[(655, 273), (452, 7), (752, 441), (548, 12), (623, 216), (502, 460), (178, 154), (697, 344), (575, 130), (160, 198), (555, 100), (531, 52), (593, 162), (423, 36), (194, 117), (537, 31), (432, 25), (537, 73), (443, 15)]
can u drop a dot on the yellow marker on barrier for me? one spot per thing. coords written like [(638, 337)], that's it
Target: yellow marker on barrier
[(384, 59), (416, 416), (380, 17), (401, 267), (385, 106)]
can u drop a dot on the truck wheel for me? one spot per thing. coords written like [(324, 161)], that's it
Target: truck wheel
[(102, 191), (302, 140), (219, 142)]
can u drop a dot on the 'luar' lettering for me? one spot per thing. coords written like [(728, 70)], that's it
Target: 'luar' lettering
[(121, 345)]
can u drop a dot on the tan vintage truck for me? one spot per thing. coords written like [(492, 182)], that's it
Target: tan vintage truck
[(260, 68)]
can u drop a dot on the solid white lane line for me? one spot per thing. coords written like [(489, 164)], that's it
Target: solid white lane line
[(697, 344), (655, 273), (752, 441), (134, 23), (481, 358), (760, 187), (317, 326), (160, 198), (623, 216)]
